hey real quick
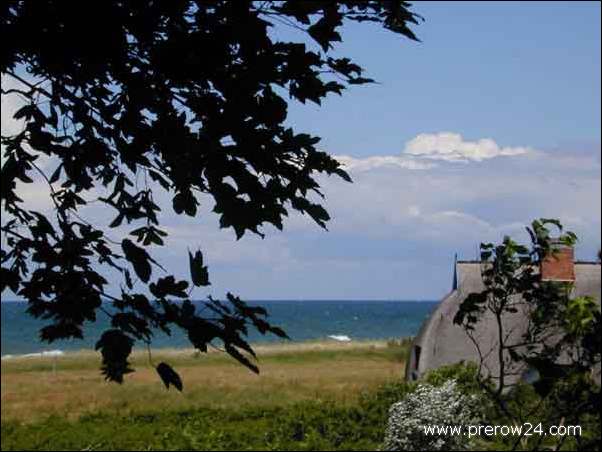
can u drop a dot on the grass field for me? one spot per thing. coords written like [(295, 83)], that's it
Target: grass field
[(308, 396)]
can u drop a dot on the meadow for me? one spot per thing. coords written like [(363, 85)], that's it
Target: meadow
[(311, 396)]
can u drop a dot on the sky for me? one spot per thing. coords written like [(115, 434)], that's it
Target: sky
[(491, 121)]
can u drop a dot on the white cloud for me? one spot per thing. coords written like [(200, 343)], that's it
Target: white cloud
[(451, 147), (424, 151), (453, 216), (456, 206), (414, 211), (379, 161), (409, 212), (10, 104)]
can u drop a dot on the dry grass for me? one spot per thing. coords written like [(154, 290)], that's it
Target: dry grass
[(31, 390)]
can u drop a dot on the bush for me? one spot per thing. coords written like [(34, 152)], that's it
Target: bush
[(430, 405), (465, 375), (400, 349)]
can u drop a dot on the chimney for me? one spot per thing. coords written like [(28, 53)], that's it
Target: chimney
[(559, 265)]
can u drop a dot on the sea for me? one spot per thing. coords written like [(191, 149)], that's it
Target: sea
[(303, 320)]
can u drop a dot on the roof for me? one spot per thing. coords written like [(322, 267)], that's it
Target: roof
[(441, 342)]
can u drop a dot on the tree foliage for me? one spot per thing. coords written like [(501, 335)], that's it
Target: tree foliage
[(558, 353), (187, 97)]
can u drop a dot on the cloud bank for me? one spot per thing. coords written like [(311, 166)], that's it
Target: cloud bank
[(395, 230), (379, 161), (452, 147), (428, 150)]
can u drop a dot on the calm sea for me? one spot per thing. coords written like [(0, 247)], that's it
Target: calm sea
[(302, 320)]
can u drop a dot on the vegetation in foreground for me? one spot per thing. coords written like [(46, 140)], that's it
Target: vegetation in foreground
[(313, 397), (558, 347), (319, 425)]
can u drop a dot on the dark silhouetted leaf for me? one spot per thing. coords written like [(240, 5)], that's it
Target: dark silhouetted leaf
[(169, 287), (115, 347), (198, 272), (238, 356), (139, 259), (55, 176), (169, 376)]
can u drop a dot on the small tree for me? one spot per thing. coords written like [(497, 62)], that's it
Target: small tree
[(560, 346)]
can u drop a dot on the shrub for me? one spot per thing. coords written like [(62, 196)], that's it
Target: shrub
[(465, 374), (400, 349), (430, 405)]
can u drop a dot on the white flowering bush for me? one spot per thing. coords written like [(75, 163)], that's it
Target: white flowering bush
[(429, 405)]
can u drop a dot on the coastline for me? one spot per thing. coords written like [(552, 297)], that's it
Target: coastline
[(313, 321), (261, 348)]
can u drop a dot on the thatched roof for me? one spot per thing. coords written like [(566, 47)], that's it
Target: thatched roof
[(441, 342)]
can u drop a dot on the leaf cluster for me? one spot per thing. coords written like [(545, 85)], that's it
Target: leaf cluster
[(126, 101)]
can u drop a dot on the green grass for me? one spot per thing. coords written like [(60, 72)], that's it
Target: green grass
[(285, 353), (314, 397), (319, 399), (303, 426), (308, 425)]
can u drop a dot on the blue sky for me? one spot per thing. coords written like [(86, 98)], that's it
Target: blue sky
[(519, 73), (491, 121)]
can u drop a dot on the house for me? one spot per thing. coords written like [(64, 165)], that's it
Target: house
[(441, 342)]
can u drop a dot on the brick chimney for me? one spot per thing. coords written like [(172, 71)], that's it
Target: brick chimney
[(559, 265)]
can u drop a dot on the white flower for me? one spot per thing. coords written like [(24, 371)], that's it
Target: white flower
[(433, 406)]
